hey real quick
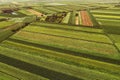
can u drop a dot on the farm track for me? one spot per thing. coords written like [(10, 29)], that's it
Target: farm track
[(66, 51), (86, 19)]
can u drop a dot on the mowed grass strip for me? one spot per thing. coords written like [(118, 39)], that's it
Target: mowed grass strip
[(63, 71), (68, 44), (63, 57), (70, 34), (19, 73), (67, 27)]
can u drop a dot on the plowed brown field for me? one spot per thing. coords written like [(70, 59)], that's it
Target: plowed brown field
[(86, 21)]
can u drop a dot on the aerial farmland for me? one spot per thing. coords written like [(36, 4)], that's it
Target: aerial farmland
[(60, 40)]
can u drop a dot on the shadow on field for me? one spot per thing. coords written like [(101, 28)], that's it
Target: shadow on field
[(47, 73), (64, 51)]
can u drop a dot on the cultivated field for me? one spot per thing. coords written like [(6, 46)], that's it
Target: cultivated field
[(60, 41)]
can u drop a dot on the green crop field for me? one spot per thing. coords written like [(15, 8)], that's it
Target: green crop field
[(5, 24), (60, 40)]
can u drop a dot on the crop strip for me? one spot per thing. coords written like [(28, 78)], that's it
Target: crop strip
[(86, 19)]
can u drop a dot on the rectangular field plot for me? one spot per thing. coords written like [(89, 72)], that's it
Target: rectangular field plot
[(86, 19), (67, 43), (70, 34), (67, 27)]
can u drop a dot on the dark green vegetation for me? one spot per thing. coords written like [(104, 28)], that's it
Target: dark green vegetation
[(47, 41)]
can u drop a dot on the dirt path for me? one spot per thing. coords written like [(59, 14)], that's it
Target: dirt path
[(86, 21), (35, 12)]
